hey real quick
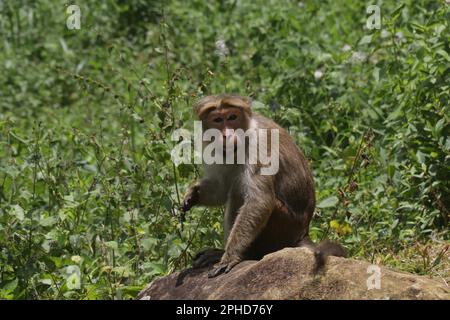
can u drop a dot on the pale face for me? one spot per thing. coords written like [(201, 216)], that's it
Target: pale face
[(227, 120)]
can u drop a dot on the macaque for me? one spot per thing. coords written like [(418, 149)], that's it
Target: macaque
[(263, 212)]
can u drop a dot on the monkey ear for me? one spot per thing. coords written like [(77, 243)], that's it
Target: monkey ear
[(204, 105)]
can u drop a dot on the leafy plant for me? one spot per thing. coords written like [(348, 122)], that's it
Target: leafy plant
[(88, 191)]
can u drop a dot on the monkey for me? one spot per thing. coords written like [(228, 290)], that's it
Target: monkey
[(263, 212)]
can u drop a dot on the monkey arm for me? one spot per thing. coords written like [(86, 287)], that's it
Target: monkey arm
[(250, 221), (207, 192), (211, 192)]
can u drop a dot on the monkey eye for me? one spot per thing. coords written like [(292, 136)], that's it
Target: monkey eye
[(232, 117), (218, 120)]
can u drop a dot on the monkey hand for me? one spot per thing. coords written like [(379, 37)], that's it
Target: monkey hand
[(225, 265), (191, 198), (207, 257)]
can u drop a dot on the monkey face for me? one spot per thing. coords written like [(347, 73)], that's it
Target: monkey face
[(227, 121)]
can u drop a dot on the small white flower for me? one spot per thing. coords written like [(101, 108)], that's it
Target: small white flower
[(73, 280), (385, 34), (346, 48), (399, 37), (76, 259), (358, 57), (221, 48), (301, 4), (318, 74)]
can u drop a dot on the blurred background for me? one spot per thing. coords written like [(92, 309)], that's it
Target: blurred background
[(88, 191)]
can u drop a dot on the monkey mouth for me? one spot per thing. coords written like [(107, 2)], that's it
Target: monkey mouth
[(232, 150)]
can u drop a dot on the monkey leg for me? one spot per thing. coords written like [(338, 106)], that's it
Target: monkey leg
[(250, 221), (207, 257)]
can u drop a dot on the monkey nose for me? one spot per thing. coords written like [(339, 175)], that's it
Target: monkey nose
[(228, 132)]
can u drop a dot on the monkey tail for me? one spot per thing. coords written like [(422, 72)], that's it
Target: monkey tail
[(322, 251)]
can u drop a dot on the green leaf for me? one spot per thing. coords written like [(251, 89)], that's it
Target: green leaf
[(328, 202), (365, 40), (46, 281), (49, 221), (149, 243), (257, 105), (391, 170), (443, 54), (398, 9), (420, 156), (11, 285), (439, 126), (112, 244), (18, 212), (158, 268)]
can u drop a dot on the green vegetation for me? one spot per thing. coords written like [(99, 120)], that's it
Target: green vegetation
[(88, 191)]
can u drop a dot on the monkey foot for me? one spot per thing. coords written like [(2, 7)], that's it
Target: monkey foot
[(222, 268)]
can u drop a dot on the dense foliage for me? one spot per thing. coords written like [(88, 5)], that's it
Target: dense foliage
[(88, 191)]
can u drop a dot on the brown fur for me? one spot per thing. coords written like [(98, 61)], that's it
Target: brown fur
[(264, 213)]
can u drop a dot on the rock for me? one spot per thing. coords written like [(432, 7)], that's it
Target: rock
[(286, 274)]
